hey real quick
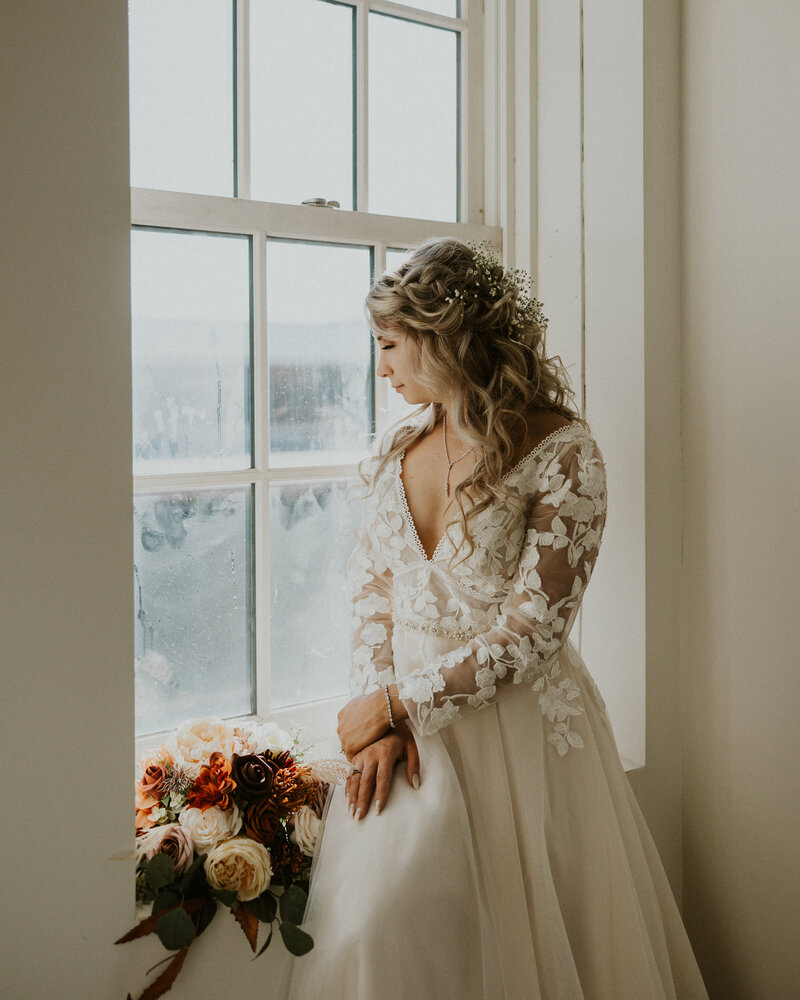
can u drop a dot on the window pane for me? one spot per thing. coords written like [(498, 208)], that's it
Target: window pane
[(413, 119), (191, 351), (181, 95), (193, 599), (319, 343), (301, 101), (311, 536)]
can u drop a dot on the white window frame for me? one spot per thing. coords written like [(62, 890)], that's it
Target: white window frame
[(497, 160)]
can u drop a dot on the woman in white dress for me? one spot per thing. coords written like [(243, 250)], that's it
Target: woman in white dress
[(507, 857)]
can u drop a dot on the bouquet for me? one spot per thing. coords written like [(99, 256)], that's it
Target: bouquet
[(226, 815)]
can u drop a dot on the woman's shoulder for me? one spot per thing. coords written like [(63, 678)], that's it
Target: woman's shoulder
[(552, 437)]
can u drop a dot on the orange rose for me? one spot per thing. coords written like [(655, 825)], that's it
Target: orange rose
[(145, 804)]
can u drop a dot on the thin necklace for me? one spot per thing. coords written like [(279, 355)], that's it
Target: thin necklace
[(447, 456)]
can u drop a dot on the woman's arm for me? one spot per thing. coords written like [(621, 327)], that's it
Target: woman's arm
[(564, 529)]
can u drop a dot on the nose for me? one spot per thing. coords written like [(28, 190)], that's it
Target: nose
[(384, 369)]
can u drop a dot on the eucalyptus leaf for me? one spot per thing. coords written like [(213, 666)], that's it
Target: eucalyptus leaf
[(160, 871), (175, 929), (297, 942), (205, 916), (293, 904), (226, 896), (264, 907), (166, 898), (265, 945), (189, 875)]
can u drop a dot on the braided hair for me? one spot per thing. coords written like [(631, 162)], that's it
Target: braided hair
[(480, 349)]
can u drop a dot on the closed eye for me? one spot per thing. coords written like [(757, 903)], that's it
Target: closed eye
[(387, 347)]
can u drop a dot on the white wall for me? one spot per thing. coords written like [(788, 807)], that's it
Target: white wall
[(66, 627), (741, 414)]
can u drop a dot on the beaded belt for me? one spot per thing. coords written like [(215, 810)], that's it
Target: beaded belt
[(432, 629)]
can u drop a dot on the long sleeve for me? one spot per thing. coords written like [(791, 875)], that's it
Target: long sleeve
[(370, 590), (563, 531)]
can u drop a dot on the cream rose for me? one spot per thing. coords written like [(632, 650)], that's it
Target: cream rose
[(241, 864), (306, 830), (194, 741), (207, 827), (171, 839), (258, 737)]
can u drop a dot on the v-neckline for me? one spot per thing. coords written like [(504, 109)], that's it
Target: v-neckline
[(410, 517)]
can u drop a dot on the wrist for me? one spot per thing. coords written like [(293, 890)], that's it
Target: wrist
[(399, 710)]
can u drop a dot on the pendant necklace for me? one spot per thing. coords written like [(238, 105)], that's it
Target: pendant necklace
[(447, 456)]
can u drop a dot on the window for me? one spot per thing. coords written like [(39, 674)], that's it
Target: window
[(254, 388)]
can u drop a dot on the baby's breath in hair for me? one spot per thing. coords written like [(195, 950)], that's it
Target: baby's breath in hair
[(490, 277)]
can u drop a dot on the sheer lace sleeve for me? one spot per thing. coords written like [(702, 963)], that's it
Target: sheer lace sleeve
[(564, 527), (369, 582)]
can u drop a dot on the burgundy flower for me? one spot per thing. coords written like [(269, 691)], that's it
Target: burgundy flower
[(254, 775), (261, 819)]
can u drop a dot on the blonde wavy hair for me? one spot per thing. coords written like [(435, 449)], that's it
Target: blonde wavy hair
[(480, 352)]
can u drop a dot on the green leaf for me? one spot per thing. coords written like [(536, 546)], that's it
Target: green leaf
[(297, 942), (293, 904), (265, 945), (264, 907), (167, 898), (205, 916), (160, 870), (175, 929), (226, 896), (191, 872)]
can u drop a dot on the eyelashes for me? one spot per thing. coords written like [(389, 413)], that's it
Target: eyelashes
[(387, 347)]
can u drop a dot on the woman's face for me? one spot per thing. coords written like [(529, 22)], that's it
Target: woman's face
[(397, 356)]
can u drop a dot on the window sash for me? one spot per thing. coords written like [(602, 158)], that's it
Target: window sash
[(262, 220)]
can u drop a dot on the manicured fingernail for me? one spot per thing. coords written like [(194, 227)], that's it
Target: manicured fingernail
[(415, 780), (352, 809), (358, 814), (378, 807)]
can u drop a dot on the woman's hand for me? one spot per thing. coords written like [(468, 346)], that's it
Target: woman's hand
[(374, 769), (365, 719)]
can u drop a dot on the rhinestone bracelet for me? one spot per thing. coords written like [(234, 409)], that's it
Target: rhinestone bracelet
[(431, 629), (389, 706)]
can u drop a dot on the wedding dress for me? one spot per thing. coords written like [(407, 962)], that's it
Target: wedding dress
[(522, 867)]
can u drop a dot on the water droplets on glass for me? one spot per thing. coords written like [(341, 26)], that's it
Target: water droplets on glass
[(318, 345), (193, 600), (191, 351)]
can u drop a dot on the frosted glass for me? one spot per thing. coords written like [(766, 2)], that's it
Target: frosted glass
[(190, 297), (413, 119), (318, 348), (181, 95), (311, 535), (193, 600), (301, 101)]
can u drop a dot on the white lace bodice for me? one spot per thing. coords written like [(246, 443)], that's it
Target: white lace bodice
[(500, 616)]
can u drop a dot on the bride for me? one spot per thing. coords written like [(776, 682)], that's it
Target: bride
[(486, 844)]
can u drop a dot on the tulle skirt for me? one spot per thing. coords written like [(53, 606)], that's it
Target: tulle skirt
[(511, 873)]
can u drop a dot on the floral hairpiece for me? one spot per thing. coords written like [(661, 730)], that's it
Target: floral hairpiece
[(492, 276)]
